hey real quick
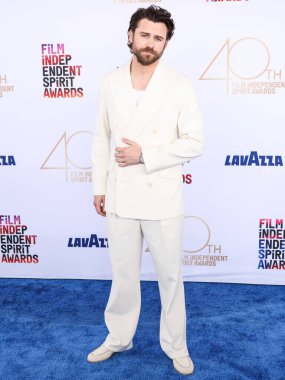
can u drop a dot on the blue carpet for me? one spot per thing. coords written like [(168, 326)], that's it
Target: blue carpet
[(235, 332)]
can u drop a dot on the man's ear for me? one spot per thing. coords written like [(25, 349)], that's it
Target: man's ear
[(130, 36)]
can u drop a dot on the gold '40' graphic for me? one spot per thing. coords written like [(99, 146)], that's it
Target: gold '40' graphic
[(244, 51), (67, 153)]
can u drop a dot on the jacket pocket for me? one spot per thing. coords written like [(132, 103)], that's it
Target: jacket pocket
[(174, 172)]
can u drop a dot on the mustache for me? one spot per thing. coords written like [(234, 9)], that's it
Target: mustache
[(148, 50)]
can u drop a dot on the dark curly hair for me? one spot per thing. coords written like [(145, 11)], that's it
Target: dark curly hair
[(155, 14)]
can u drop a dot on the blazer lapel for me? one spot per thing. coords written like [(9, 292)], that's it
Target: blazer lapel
[(121, 90), (135, 118), (155, 94)]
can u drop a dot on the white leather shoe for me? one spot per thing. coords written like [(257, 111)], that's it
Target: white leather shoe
[(99, 354), (184, 365)]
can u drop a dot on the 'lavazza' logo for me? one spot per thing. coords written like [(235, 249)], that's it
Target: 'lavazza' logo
[(253, 159), (7, 161), (88, 242)]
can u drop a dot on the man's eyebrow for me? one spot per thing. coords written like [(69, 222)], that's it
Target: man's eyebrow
[(148, 34)]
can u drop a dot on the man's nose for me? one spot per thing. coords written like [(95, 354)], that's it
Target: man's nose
[(150, 42)]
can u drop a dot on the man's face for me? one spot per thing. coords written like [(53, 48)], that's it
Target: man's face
[(148, 41)]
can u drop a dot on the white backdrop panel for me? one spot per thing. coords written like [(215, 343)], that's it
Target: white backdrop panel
[(233, 51)]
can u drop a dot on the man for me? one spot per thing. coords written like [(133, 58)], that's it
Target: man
[(148, 124)]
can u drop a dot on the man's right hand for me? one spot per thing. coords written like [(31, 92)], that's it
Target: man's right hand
[(99, 203)]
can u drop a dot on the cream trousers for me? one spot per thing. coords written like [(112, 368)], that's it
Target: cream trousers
[(164, 238)]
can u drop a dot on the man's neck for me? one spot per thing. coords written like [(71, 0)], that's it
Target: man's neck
[(137, 69), (141, 74)]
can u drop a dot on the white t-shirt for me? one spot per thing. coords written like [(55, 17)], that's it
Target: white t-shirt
[(137, 95)]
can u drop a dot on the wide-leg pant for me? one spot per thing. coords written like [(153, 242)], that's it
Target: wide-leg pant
[(164, 238)]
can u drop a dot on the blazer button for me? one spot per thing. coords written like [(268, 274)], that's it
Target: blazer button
[(149, 184), (154, 131)]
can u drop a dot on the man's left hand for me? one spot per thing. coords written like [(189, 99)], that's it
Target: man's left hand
[(129, 155)]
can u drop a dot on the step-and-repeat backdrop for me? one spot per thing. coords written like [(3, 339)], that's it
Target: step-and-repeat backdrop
[(52, 56)]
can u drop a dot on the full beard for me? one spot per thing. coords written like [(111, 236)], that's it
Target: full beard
[(147, 56)]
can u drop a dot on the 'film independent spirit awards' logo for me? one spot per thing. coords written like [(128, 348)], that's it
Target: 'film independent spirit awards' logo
[(226, 1), (70, 154), (198, 250), (244, 65), (271, 244), (59, 75), (5, 87), (137, 1), (15, 241), (197, 247)]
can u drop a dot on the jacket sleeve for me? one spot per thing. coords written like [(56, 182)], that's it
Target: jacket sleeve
[(190, 139), (100, 146)]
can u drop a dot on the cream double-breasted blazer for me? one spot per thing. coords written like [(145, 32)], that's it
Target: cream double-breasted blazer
[(167, 125)]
